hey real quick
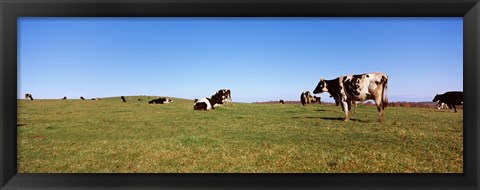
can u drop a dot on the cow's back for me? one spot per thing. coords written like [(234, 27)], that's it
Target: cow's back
[(454, 97)]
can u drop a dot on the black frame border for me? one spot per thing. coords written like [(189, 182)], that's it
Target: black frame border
[(10, 10)]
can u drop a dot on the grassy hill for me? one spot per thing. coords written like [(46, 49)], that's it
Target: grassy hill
[(110, 136)]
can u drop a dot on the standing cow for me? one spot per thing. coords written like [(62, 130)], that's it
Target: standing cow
[(122, 98), (450, 98), (345, 89)]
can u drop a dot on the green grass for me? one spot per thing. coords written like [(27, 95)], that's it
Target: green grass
[(108, 136)]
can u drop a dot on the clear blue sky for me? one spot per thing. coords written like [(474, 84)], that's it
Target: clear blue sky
[(259, 59)]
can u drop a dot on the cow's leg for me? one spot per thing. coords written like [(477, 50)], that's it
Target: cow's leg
[(345, 107), (379, 104), (453, 105)]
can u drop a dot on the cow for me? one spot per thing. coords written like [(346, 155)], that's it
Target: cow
[(281, 102), (122, 98), (64, 98), (208, 103), (441, 105), (345, 89), (28, 96), (225, 95), (160, 101), (354, 105), (307, 98), (82, 98), (450, 98)]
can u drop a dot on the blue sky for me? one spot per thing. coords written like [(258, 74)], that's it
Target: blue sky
[(259, 59)]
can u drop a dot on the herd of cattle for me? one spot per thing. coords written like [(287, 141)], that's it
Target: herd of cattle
[(345, 90)]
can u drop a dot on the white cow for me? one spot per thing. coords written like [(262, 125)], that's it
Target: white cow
[(345, 89)]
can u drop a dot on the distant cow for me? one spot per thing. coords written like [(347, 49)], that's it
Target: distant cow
[(345, 89), (450, 98), (64, 98), (208, 103), (281, 101), (28, 96), (122, 98), (82, 98), (441, 105), (307, 98), (160, 101)]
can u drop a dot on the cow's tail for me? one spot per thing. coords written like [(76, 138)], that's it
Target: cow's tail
[(384, 91)]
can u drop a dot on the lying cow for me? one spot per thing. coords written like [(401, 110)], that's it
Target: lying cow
[(64, 98), (227, 96), (441, 105), (208, 103), (345, 89), (160, 101), (28, 96), (450, 98), (307, 98)]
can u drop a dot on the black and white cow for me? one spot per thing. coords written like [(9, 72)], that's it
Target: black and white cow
[(82, 98), (160, 101), (345, 89), (450, 98), (441, 105), (307, 98), (226, 96), (208, 103), (28, 96), (122, 98)]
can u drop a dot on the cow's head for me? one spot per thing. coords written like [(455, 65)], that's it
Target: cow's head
[(321, 87), (435, 98)]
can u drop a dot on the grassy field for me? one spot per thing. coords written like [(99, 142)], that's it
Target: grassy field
[(108, 136)]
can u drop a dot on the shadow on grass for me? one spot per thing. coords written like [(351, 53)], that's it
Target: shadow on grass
[(321, 110), (332, 118), (19, 124)]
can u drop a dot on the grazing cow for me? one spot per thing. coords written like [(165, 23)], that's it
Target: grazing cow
[(345, 89), (160, 101), (82, 98), (208, 103), (450, 98), (122, 98), (64, 98), (140, 99), (28, 96), (281, 101), (307, 98)]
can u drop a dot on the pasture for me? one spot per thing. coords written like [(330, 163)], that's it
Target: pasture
[(110, 136)]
